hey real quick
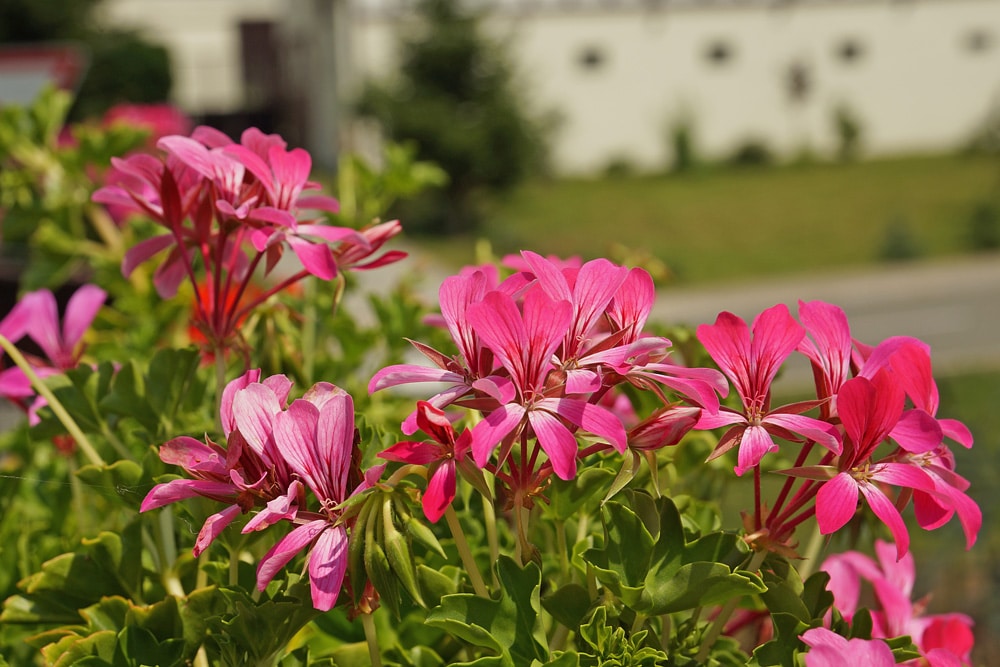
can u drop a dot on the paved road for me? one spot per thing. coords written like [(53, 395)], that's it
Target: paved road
[(954, 306)]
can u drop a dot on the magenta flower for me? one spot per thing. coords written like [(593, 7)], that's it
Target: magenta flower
[(524, 343), (462, 373), (869, 410), (249, 471), (444, 455), (752, 363), (316, 437), (828, 649), (943, 639), (36, 315)]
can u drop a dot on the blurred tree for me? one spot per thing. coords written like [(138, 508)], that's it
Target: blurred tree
[(124, 67), (44, 20), (456, 99)]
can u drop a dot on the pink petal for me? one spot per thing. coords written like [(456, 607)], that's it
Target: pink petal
[(488, 433), (633, 302), (327, 565), (213, 526), (316, 258), (957, 431), (836, 503), (883, 508), (286, 549), (283, 508), (15, 384), (193, 455), (440, 491), (181, 489), (498, 323), (391, 376), (81, 310), (417, 453), (43, 327), (254, 408), (816, 430), (556, 441), (755, 443), (593, 418), (776, 334), (295, 437), (917, 432), (335, 442), (728, 343)]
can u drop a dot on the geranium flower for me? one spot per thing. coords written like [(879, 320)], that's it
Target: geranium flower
[(36, 315), (443, 456), (316, 437), (524, 343), (943, 639), (828, 649), (248, 472), (752, 363)]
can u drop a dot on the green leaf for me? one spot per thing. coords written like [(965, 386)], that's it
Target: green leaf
[(569, 498), (507, 626), (569, 605)]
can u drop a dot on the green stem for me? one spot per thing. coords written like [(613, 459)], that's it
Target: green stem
[(490, 521), (220, 384), (60, 412), (465, 553), (811, 554), (310, 318), (374, 655), (725, 613), (83, 523)]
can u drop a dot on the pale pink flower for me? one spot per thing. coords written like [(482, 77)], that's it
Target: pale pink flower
[(828, 649), (316, 437)]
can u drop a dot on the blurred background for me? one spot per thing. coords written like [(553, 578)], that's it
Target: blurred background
[(745, 152)]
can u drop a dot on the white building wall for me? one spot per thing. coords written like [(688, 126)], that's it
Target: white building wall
[(916, 86), (203, 39)]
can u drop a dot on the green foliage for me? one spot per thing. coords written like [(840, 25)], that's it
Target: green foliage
[(456, 100), (124, 68), (849, 131)]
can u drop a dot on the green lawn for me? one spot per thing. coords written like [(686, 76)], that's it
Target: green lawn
[(726, 223)]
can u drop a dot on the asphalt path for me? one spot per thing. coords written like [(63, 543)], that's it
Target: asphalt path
[(954, 306)]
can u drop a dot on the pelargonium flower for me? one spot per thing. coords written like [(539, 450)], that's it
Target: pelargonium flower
[(248, 472), (36, 315), (943, 639), (828, 649), (751, 358), (443, 456), (316, 437)]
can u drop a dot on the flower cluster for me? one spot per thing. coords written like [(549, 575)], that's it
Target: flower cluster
[(540, 356), (230, 208), (275, 452), (942, 639)]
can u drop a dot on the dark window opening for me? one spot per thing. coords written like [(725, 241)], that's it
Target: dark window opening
[(978, 40), (591, 58), (719, 53), (850, 51)]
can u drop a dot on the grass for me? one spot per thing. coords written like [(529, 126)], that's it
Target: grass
[(723, 224)]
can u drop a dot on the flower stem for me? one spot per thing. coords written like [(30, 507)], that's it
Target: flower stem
[(465, 553), (374, 655), (64, 417)]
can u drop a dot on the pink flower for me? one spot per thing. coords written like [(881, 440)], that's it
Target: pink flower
[(249, 471), (752, 363), (316, 437), (828, 649), (943, 638), (524, 343), (444, 455), (869, 409), (36, 316), (462, 373)]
